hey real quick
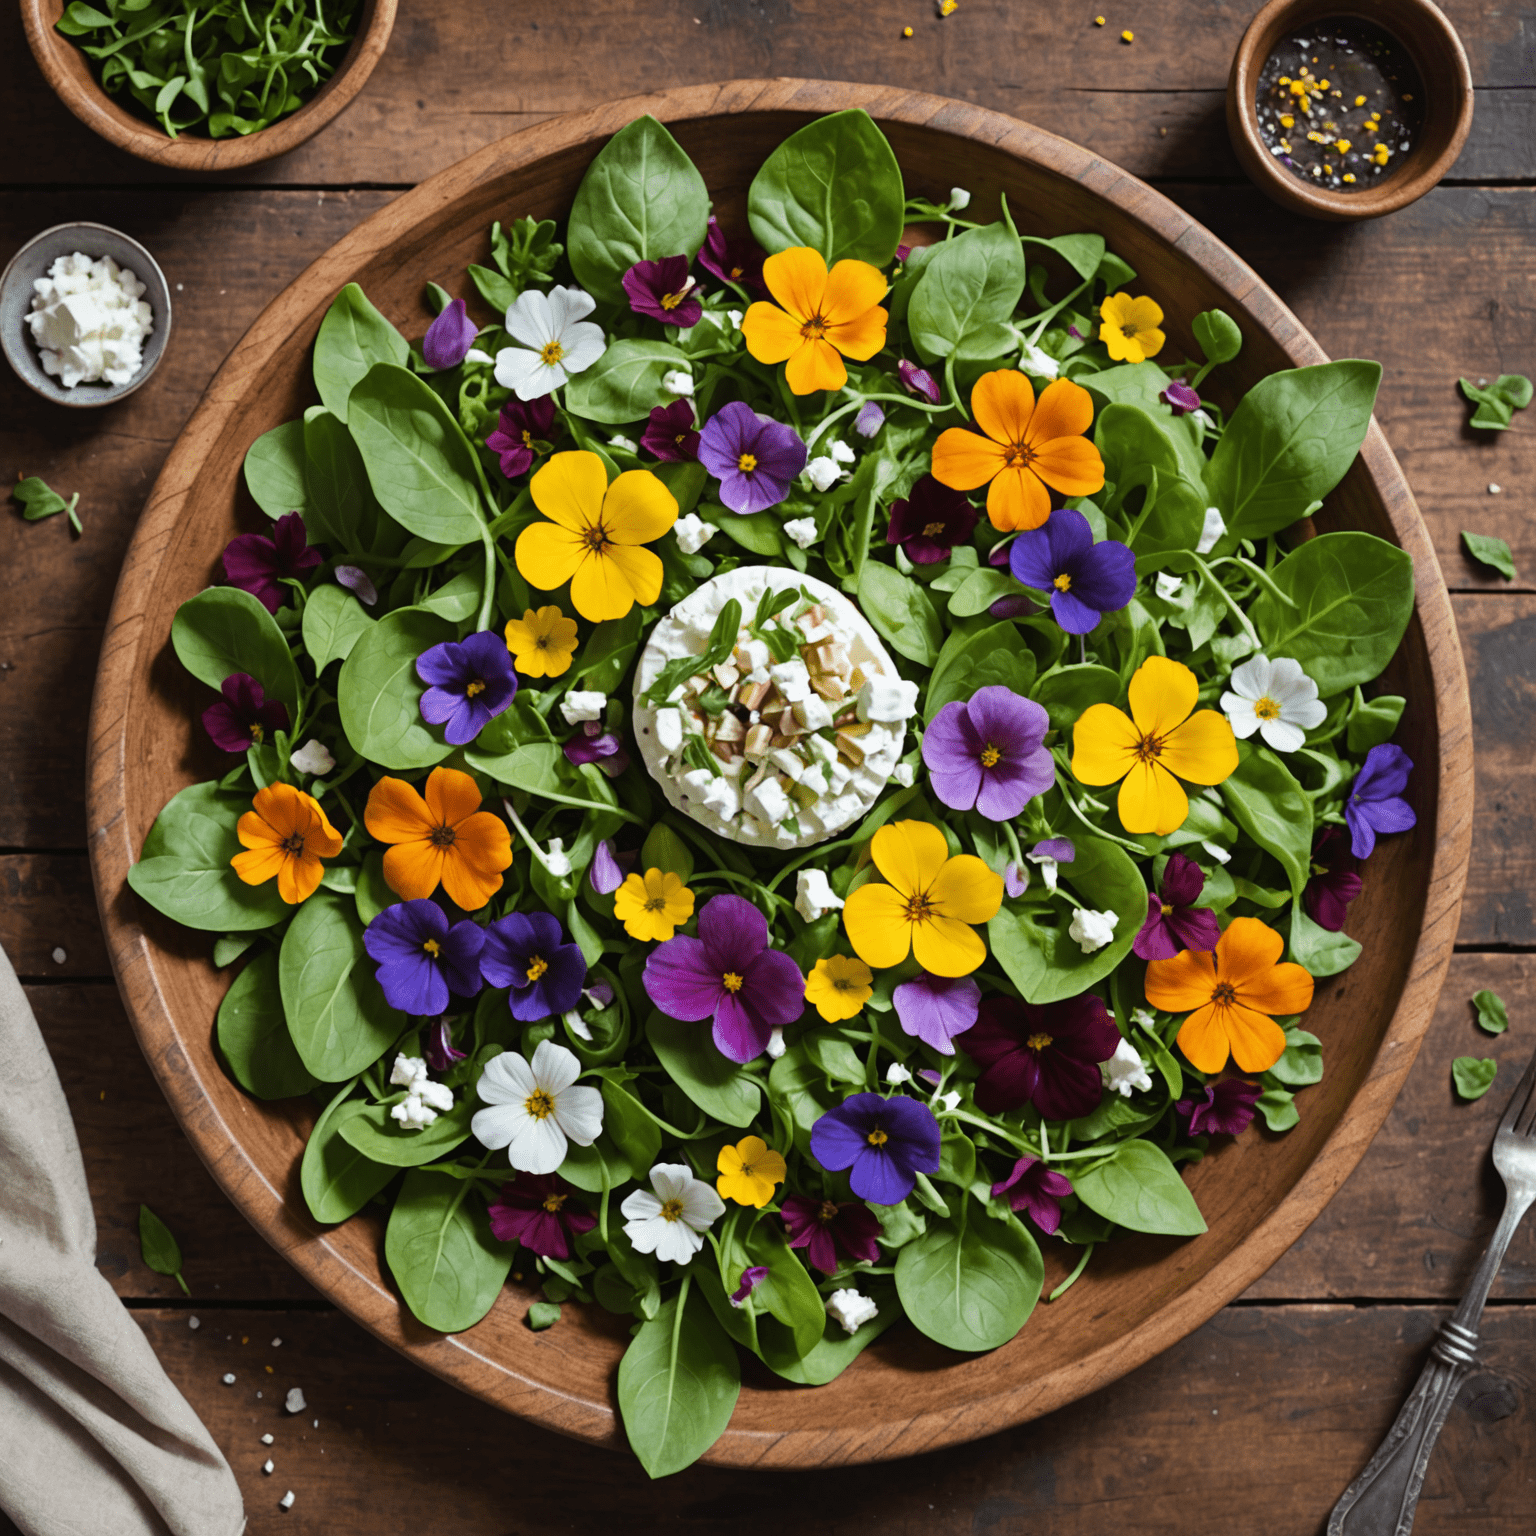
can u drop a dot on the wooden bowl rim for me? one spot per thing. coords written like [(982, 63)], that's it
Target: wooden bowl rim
[(68, 72), (178, 1059)]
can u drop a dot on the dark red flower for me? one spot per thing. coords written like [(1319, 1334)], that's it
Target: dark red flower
[(1047, 1054), (257, 563), (825, 1229), (521, 425), (663, 290), (930, 522), (437, 1046), (1223, 1108), (535, 1210), (1037, 1189), (245, 716), (670, 433), (1174, 922), (1335, 879), (732, 261)]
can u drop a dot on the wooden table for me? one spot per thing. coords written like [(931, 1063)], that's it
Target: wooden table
[(1255, 1422)]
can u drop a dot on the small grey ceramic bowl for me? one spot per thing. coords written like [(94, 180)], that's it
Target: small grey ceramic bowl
[(31, 262)]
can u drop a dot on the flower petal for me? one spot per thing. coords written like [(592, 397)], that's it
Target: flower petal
[(877, 927), (413, 870), (1203, 1036), (547, 555), (966, 889), (965, 460), (1202, 750), (259, 864), (1104, 743), (852, 289), (1257, 1041), (681, 981), (816, 364), (1064, 410), (1152, 800), (1003, 403), (1017, 499), (638, 508), (909, 854), (948, 947), (1162, 693), (579, 1114), (451, 796), (1247, 952), (472, 866), (771, 335), (1072, 465), (797, 278), (569, 489), (537, 1146), (1182, 983), (861, 338), (600, 589), (396, 813)]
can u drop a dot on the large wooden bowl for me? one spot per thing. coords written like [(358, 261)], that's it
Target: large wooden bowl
[(903, 1395)]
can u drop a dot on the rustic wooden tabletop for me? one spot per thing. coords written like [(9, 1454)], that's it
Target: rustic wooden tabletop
[(1256, 1421)]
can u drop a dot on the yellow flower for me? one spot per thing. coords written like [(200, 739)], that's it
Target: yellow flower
[(838, 988), (541, 643), (1130, 328), (748, 1171), (1161, 738), (653, 906), (285, 833), (928, 905), (594, 534), (821, 317)]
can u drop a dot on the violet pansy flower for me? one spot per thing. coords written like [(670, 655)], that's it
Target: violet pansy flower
[(598, 746), (869, 420), (751, 1277), (356, 580), (437, 1046), (930, 522), (919, 381), (883, 1143), (937, 1008), (521, 425), (1180, 398), (1335, 880), (1036, 1189), (257, 563), (245, 716), (754, 457), (1046, 1054), (609, 867), (1376, 802), (1085, 580), (469, 682), (1174, 922), (422, 959), (536, 1210), (663, 290), (1223, 1108), (527, 952), (1015, 880), (831, 1232), (670, 433), (988, 753), (448, 338), (732, 261)]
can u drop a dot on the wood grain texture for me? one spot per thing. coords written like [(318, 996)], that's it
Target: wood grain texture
[(897, 1399), (48, 923)]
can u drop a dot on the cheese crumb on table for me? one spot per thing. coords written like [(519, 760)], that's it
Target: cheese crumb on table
[(294, 1402), (286, 1502), (89, 321)]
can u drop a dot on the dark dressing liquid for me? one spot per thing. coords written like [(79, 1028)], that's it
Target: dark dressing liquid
[(1340, 103)]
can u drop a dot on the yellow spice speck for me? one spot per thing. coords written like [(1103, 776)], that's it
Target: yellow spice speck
[(1343, 146), (1349, 175), (1098, 21), (906, 31), (1407, 96), (1287, 121), (1127, 37), (1359, 101)]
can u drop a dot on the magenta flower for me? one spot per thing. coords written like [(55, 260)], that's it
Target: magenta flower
[(1180, 398), (448, 338), (470, 682), (421, 959), (1085, 580), (937, 1008), (258, 564), (730, 975), (527, 952), (1047, 1055), (592, 744), (521, 427), (1222, 1108), (988, 753), (662, 290), (609, 867), (536, 1210), (751, 1277), (869, 420), (1036, 1189), (919, 381), (883, 1143), (754, 457), (930, 522), (732, 261), (1376, 803), (670, 433), (1335, 880), (1174, 922), (437, 1046), (245, 716), (827, 1229), (903, 253), (355, 579)]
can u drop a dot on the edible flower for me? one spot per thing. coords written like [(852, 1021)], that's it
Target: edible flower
[(663, 290), (469, 682), (595, 534), (538, 1211), (356, 580), (1038, 1190), (928, 905), (930, 522), (755, 458), (829, 1228), (653, 906), (819, 318), (1335, 880), (732, 261), (869, 420), (751, 1277), (448, 338), (729, 975), (535, 1108), (838, 987), (1180, 398), (443, 839), (542, 642), (421, 958), (245, 716), (919, 381), (1162, 736), (1376, 802), (1230, 997), (1085, 579), (988, 753), (608, 868), (313, 758), (671, 434), (1027, 447), (592, 744), (520, 429), (671, 1217), (1130, 328), (749, 1171), (1174, 922), (259, 564), (1276, 699), (438, 1048), (1222, 1108), (286, 834), (883, 1143), (1045, 1054), (553, 341), (935, 1009), (528, 953)]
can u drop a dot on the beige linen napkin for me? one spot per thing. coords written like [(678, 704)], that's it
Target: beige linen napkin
[(94, 1439)]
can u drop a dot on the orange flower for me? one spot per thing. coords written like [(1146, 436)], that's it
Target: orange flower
[(285, 834), (1028, 446), (825, 317), (445, 838), (1233, 993)]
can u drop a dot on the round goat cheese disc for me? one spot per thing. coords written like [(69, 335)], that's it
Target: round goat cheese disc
[(790, 739)]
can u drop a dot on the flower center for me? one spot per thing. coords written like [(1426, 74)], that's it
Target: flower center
[(932, 530), (293, 846), (681, 439), (656, 904), (595, 537), (1038, 1042), (537, 965), (432, 947), (672, 1210), (1149, 749), (827, 1214), (552, 1203), (814, 328), (747, 463), (990, 756), (845, 984), (672, 300), (1129, 331), (475, 686), (1267, 709), (736, 272), (1225, 993), (551, 353), (442, 837), (539, 1105), (733, 982), (542, 643), (258, 732), (918, 909), (1018, 456), (1063, 583), (877, 1137), (527, 438)]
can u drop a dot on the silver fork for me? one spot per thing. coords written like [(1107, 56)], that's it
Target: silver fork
[(1381, 1501)]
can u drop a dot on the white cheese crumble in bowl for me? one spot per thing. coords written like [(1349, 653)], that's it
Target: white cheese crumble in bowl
[(794, 725)]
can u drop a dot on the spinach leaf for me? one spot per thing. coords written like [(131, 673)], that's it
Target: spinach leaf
[(224, 630), (994, 655), (902, 612), (253, 1034), (719, 647), (609, 649), (353, 337), (980, 590), (1497, 403), (158, 1248), (1321, 952), (379, 694), (1139, 1188), (969, 288), (836, 1349), (274, 470), (1133, 442), (718, 1086), (334, 621), (625, 382), (386, 1141), (1065, 693), (1270, 806), (1217, 335), (1083, 253), (337, 1180), (1278, 1106), (449, 1266), (1489, 551), (1372, 721), (786, 1293), (1473, 1078), (1301, 1063), (39, 500), (798, 1087), (631, 1125), (456, 600), (338, 506), (1492, 1015)]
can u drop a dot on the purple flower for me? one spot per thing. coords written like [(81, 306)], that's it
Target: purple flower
[(245, 716), (919, 381), (670, 433), (1376, 803), (437, 1046), (421, 959), (751, 1277), (448, 338), (1335, 881), (258, 564), (355, 579), (988, 753), (1223, 1108), (1047, 1055), (1012, 606), (662, 290), (604, 749), (937, 1008), (524, 951), (521, 426), (470, 682), (609, 867), (732, 261), (1037, 1189), (883, 1143), (930, 522), (1015, 880), (1174, 922), (535, 1209), (1180, 398), (1058, 848), (753, 457), (827, 1229), (929, 1076), (903, 253), (1073, 331), (1085, 580), (728, 974), (869, 420)]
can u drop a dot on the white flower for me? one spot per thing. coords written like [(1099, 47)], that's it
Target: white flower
[(1205, 421), (1168, 585), (904, 775), (1211, 531), (557, 861), (312, 758), (1146, 1018), (734, 316), (959, 199), (823, 472), (897, 1074), (623, 444), (814, 896), (851, 1309), (671, 1217), (577, 706), (950, 1102), (535, 1109), (1049, 868), (841, 452), (802, 530), (1092, 930), (1125, 1070), (677, 381), (577, 1025), (1041, 364), (1219, 854), (775, 1047), (477, 355), (553, 341), (693, 533), (1276, 699)]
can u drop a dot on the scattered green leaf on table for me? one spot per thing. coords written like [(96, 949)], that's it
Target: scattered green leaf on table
[(39, 500), (1497, 402), (160, 1250), (1473, 1077), (1487, 550), (1491, 1012)]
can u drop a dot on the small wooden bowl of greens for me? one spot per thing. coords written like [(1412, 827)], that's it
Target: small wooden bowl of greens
[(121, 66)]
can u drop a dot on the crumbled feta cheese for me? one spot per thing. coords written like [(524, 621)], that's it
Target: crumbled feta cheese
[(269, 1466), (851, 1309), (813, 712), (1212, 531), (756, 656), (814, 896), (841, 452), (959, 199), (1092, 930), (1041, 364), (669, 729), (267, 1439), (723, 797), (294, 1402), (776, 1046), (890, 699), (312, 757), (768, 802), (228, 1378), (557, 861), (905, 775), (89, 321), (787, 763), (823, 472), (1168, 585), (791, 679), (624, 444), (693, 533), (408, 1071), (697, 782), (896, 1074), (735, 317), (412, 1113), (286, 1502), (1125, 1070), (802, 530), (676, 381), (577, 706)]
